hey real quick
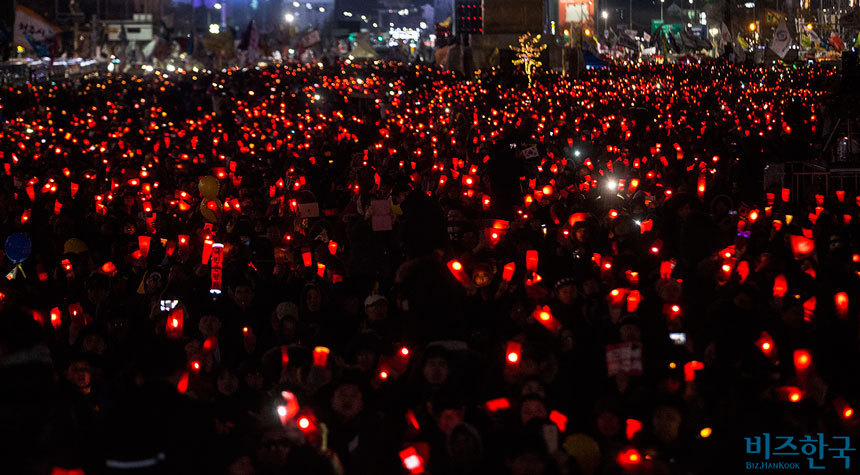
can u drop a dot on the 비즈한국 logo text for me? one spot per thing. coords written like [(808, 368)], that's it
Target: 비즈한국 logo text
[(807, 452)]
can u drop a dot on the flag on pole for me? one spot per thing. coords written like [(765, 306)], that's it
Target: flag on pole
[(250, 42), (816, 40), (310, 39), (740, 52), (836, 42), (40, 48), (30, 23), (772, 17), (742, 42), (781, 42), (725, 34)]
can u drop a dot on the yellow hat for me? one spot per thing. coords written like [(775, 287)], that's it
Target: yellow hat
[(75, 246)]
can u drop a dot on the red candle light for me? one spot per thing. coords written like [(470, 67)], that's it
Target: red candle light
[(56, 317), (791, 394), (512, 352), (632, 428), (544, 316), (840, 301), (290, 406), (182, 385), (456, 268), (495, 405), (67, 268), (802, 360), (801, 246), (532, 260), (780, 286), (559, 419), (629, 459), (207, 251), (412, 462), (285, 356), (666, 268), (634, 298), (690, 369), (616, 297), (321, 356), (809, 309), (508, 271), (143, 244), (766, 344), (174, 323)]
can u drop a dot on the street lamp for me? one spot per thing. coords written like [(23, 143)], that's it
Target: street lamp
[(661, 10), (217, 6), (289, 17), (605, 15), (214, 28)]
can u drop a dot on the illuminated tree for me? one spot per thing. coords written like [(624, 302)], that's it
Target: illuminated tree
[(528, 54)]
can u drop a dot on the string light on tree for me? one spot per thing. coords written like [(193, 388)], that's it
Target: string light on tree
[(528, 54)]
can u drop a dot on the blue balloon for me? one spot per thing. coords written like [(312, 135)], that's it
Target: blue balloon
[(18, 247)]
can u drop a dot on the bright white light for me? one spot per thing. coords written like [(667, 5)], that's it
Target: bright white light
[(604, 14), (217, 6), (749, 4), (282, 411), (214, 28), (423, 25), (611, 185), (576, 153), (309, 6), (171, 68), (375, 25), (289, 17), (322, 9), (347, 14)]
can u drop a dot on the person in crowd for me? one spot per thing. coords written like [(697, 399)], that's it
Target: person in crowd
[(382, 268)]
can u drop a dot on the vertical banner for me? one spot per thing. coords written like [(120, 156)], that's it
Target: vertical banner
[(216, 265)]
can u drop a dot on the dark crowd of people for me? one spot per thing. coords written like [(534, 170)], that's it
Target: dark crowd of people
[(380, 268)]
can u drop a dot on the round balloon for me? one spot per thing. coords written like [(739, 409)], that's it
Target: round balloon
[(208, 187), (18, 247), (210, 209)]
